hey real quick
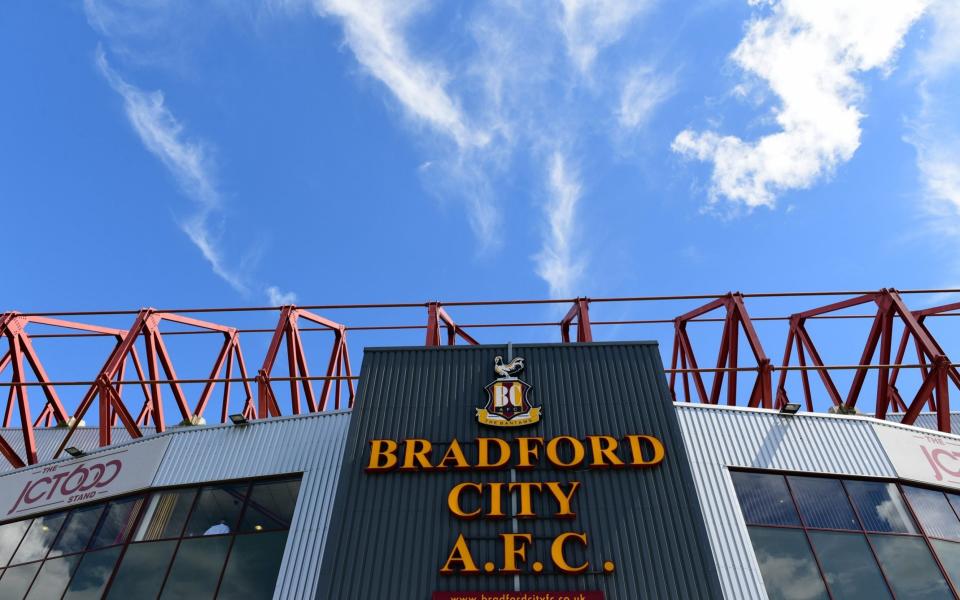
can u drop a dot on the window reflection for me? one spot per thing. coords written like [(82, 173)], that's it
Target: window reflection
[(10, 536), (117, 523), (217, 510), (910, 569), (253, 565), (949, 555), (142, 570), (787, 565), (196, 569), (880, 507), (823, 503), (764, 499), (16, 580), (934, 512), (53, 578), (91, 576), (39, 537), (270, 506), (77, 531), (848, 566), (166, 515)]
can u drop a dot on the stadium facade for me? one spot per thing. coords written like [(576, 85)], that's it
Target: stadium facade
[(465, 473)]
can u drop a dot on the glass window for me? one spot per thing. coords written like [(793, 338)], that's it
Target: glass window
[(934, 512), (270, 506), (848, 565), (16, 580), (949, 555), (910, 569), (196, 569), (166, 514), (217, 510), (786, 563), (10, 536), (39, 537), (77, 531), (253, 566), (880, 507), (53, 578), (92, 575), (117, 523), (823, 503), (142, 570), (764, 499)]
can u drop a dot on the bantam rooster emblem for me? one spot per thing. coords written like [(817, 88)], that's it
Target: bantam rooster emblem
[(506, 370), (508, 404)]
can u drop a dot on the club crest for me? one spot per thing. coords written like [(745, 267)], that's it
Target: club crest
[(508, 403)]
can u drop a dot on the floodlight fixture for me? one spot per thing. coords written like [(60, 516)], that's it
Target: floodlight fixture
[(789, 409)]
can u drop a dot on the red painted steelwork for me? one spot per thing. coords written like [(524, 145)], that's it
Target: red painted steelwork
[(935, 370), (339, 365), (933, 389), (436, 315), (111, 405), (581, 312), (13, 327), (735, 319)]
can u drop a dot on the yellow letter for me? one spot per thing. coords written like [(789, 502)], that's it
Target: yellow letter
[(386, 449), (460, 555), (563, 500), (496, 501), (556, 553), (483, 450), (528, 447), (578, 452), (638, 460), (416, 450), (453, 500), (454, 453), (604, 447), (512, 551), (526, 498)]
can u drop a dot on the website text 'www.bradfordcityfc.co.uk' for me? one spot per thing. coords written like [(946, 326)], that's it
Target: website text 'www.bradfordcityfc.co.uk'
[(517, 596)]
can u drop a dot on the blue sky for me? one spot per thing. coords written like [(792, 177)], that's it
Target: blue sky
[(235, 152)]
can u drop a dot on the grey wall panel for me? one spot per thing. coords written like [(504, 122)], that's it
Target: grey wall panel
[(49, 438), (718, 438)]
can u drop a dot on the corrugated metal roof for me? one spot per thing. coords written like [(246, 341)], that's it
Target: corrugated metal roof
[(311, 444), (393, 531), (928, 420), (719, 437)]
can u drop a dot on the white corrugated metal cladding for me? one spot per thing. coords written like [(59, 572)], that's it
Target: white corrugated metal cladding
[(310, 444), (718, 438)]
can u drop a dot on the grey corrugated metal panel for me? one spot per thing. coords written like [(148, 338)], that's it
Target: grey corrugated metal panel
[(718, 438), (928, 420), (311, 444), (393, 530), (48, 439)]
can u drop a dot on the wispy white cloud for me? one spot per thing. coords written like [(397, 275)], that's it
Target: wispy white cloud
[(809, 55), (644, 90), (589, 26), (278, 297), (374, 32), (558, 263), (187, 160), (934, 131)]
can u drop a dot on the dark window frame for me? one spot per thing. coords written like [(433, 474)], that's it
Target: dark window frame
[(899, 485)]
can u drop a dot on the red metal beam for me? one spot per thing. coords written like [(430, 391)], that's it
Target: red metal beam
[(437, 317), (736, 318), (338, 367), (579, 312)]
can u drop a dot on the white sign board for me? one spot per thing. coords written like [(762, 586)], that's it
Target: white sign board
[(923, 457), (86, 479)]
